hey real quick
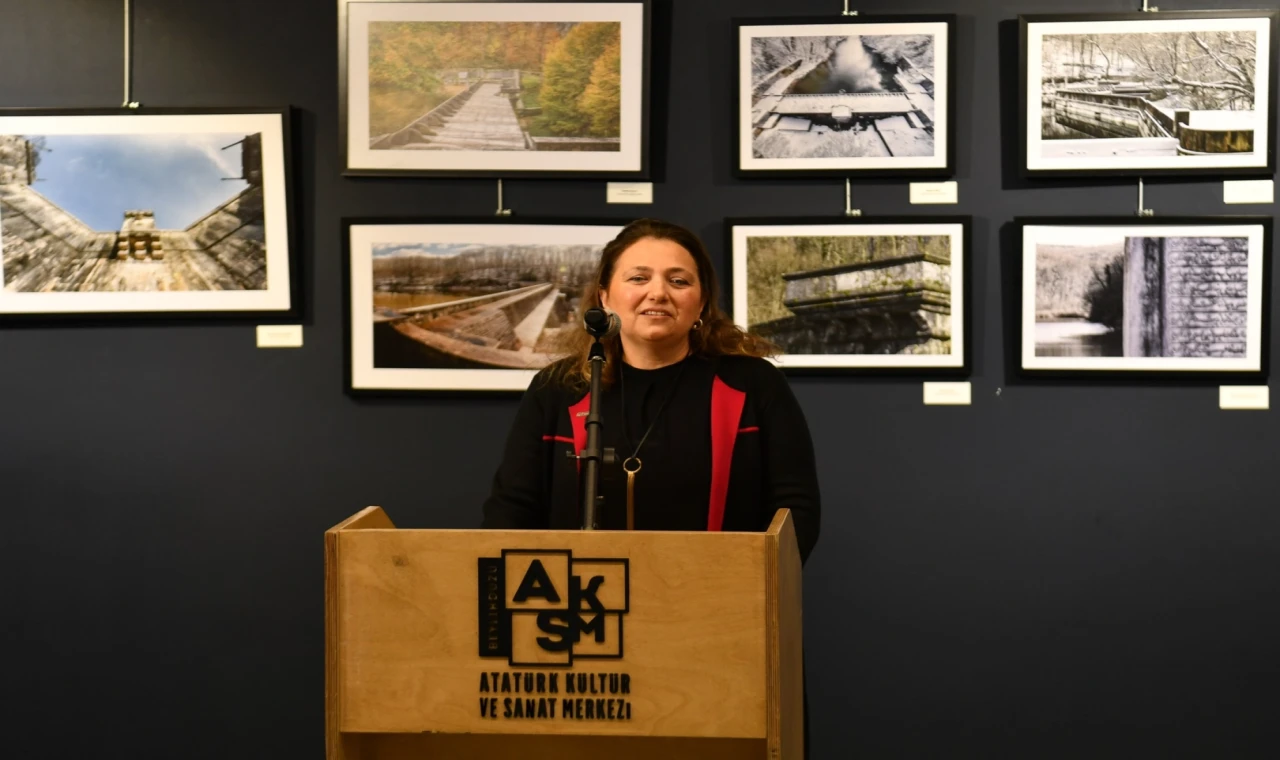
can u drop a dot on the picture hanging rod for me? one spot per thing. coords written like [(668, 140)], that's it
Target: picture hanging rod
[(849, 210), (1142, 206), (848, 12), (502, 210), (128, 57), (1148, 9)]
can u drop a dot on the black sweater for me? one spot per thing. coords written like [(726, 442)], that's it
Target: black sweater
[(728, 419)]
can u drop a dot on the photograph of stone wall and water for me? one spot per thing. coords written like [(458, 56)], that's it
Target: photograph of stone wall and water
[(843, 97), (855, 295), (466, 306), (120, 214), (442, 89), (1161, 96), (1185, 297)]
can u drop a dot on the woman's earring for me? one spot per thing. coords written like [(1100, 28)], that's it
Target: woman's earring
[(697, 325)]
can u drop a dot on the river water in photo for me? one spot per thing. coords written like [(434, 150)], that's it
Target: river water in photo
[(1077, 337), (853, 68)]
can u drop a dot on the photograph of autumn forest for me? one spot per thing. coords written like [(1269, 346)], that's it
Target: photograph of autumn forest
[(495, 86)]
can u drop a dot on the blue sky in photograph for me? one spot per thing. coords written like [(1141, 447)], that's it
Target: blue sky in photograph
[(97, 178), (420, 249)]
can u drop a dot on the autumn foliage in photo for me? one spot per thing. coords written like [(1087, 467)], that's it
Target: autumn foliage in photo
[(569, 74)]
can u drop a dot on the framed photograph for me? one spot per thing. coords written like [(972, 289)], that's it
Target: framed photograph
[(885, 294), (1131, 297), (494, 89), (867, 98), (1145, 94), (165, 212), (464, 304)]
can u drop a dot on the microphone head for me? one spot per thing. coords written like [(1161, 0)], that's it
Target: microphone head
[(601, 323)]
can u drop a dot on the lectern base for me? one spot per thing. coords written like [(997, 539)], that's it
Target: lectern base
[(545, 747)]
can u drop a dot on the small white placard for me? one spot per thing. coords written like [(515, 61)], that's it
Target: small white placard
[(279, 336), (630, 192), (935, 192), (948, 394), (1249, 191), (1244, 397)]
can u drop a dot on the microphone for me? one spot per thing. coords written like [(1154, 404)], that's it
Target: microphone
[(601, 324)]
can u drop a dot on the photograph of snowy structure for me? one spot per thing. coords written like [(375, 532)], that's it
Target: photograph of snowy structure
[(845, 98), (494, 88), (465, 306), (1182, 93), (125, 213), (1179, 295), (874, 294)]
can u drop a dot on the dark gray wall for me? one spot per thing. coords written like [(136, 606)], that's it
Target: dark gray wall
[(1057, 571)]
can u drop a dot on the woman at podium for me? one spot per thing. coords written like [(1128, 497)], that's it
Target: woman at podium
[(705, 433)]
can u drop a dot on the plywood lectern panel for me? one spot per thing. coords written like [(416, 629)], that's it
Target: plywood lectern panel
[(549, 747), (692, 635)]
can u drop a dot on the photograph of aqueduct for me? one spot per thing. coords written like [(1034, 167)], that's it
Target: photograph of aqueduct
[(1148, 94)]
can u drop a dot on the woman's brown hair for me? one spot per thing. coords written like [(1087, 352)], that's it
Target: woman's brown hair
[(717, 335)]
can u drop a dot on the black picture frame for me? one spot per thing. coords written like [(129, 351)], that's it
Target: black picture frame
[(363, 378), (889, 321), (242, 253), (1084, 157), (632, 159), (905, 113), (1203, 304)]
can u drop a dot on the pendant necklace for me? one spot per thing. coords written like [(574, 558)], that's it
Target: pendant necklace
[(631, 465)]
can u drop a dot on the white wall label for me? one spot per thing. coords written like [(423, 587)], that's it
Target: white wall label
[(948, 394), (279, 336), (1249, 191), (1244, 397), (935, 192), (630, 192)]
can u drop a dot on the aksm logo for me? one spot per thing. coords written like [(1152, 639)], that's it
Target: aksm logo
[(547, 608)]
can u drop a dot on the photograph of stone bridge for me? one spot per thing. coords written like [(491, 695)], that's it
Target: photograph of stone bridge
[(843, 96), (476, 305), (1161, 94), (853, 294), (494, 86), (1117, 295), (70, 219)]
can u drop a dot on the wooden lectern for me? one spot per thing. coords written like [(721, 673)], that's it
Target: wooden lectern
[(456, 644)]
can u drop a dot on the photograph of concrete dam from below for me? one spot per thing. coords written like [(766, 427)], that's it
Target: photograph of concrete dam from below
[(843, 97), (132, 213)]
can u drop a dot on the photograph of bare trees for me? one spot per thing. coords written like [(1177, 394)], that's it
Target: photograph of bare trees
[(1157, 94), (844, 96), (853, 295), (464, 305), (475, 304), (1182, 296)]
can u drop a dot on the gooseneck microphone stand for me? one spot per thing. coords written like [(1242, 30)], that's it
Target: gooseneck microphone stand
[(600, 324)]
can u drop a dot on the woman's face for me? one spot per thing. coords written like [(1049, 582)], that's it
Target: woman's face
[(655, 291)]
